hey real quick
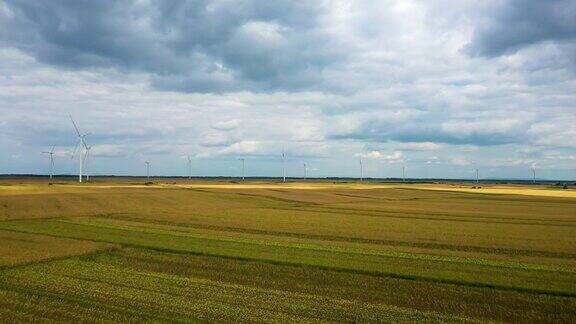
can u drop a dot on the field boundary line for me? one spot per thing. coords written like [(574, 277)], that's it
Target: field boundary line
[(327, 248), (335, 238), (368, 272), (109, 249), (357, 271)]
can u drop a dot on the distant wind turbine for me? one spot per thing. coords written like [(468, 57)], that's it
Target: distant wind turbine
[(147, 170), (533, 175), (283, 166), (403, 173), (361, 170), (243, 164), (476, 175), (305, 171), (189, 166), (51, 153), (81, 144)]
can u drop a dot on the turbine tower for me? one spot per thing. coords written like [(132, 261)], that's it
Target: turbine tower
[(283, 166), (243, 164), (87, 162), (189, 166), (403, 173), (51, 153), (305, 171), (147, 171), (82, 145), (361, 170), (533, 175), (476, 175)]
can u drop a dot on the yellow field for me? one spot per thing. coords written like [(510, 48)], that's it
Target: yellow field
[(499, 253), (543, 191), (490, 189)]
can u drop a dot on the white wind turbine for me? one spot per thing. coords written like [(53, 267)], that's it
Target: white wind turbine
[(82, 144), (243, 165), (361, 170), (477, 178), (305, 171), (87, 162), (189, 166), (403, 173), (147, 171), (51, 153), (283, 166)]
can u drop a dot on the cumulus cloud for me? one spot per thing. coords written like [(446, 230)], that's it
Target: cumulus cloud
[(393, 157), (512, 163), (460, 161), (516, 24), (424, 82), (226, 125), (189, 46), (419, 146), (239, 148)]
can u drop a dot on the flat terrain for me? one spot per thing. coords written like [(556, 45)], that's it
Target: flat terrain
[(294, 252)]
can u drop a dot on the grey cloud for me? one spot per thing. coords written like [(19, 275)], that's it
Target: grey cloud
[(426, 128), (187, 46), (516, 24), (321, 79)]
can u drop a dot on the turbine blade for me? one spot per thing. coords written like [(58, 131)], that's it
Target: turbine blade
[(53, 147), (75, 149), (75, 127)]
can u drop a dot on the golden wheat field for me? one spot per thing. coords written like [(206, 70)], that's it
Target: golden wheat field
[(220, 251)]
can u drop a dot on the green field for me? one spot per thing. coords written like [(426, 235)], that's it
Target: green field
[(284, 253)]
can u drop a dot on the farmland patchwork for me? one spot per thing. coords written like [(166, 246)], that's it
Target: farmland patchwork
[(135, 254)]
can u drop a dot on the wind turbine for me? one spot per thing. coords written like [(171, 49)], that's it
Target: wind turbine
[(283, 166), (147, 170), (476, 175), (403, 173), (51, 152), (82, 144), (533, 175), (189, 167), (243, 162), (87, 161), (305, 171), (361, 170)]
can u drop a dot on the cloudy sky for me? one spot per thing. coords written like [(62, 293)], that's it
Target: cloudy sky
[(439, 86)]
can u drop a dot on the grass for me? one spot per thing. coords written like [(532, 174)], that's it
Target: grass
[(109, 284), (294, 253), (470, 272), (22, 248)]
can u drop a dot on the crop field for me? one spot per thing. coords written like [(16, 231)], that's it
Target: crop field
[(296, 252)]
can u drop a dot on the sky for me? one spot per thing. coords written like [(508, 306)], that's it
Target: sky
[(440, 87)]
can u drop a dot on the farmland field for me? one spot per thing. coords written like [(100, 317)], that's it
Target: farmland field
[(295, 252)]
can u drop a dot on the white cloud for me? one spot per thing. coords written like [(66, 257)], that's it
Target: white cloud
[(421, 146), (107, 150), (320, 79), (226, 125), (396, 156), (459, 161), (235, 149)]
